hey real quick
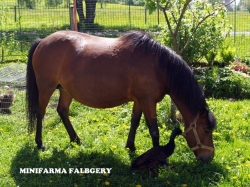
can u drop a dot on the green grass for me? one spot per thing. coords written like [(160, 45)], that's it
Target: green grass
[(242, 21), (104, 133)]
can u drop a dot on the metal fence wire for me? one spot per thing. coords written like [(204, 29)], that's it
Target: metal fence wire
[(21, 21)]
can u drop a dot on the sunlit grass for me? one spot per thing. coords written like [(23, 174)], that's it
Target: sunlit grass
[(104, 133)]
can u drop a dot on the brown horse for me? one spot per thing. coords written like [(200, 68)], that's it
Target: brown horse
[(106, 72)]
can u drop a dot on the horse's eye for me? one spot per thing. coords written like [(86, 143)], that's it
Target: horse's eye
[(207, 131)]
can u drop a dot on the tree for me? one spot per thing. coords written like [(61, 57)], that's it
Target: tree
[(31, 4), (192, 28), (53, 3), (88, 19), (246, 3)]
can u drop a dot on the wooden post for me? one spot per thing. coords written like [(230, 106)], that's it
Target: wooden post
[(15, 13), (71, 17), (2, 55), (75, 17)]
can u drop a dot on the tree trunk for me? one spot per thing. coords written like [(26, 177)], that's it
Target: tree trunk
[(90, 11), (80, 12)]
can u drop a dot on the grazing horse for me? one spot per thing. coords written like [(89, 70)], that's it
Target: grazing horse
[(106, 72)]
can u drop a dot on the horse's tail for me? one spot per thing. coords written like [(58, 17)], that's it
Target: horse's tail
[(31, 89)]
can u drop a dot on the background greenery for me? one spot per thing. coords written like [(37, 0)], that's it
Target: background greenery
[(225, 82), (21, 25)]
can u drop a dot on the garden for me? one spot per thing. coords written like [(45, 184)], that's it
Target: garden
[(221, 70)]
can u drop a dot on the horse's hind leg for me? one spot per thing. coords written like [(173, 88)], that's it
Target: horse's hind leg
[(63, 110), (43, 100), (135, 120)]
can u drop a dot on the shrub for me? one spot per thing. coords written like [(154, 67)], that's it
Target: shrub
[(224, 83), (210, 57), (228, 54), (53, 3), (197, 35)]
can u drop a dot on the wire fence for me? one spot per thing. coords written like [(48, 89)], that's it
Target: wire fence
[(21, 21)]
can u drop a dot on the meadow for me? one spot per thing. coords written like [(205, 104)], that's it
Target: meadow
[(104, 133)]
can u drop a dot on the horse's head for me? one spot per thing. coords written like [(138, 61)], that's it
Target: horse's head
[(199, 135)]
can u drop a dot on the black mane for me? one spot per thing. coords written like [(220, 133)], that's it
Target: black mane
[(181, 80)]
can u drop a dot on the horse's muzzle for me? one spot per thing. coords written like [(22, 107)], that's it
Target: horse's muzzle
[(205, 157)]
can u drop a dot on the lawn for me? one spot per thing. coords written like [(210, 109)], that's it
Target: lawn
[(104, 133)]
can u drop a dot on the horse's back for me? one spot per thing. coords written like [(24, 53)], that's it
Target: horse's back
[(97, 71)]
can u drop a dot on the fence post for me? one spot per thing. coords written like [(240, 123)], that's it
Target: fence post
[(129, 13), (158, 13), (74, 17), (15, 13), (2, 55), (71, 16), (235, 21)]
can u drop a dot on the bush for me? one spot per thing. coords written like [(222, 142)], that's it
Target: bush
[(53, 3), (224, 83), (200, 36), (228, 54)]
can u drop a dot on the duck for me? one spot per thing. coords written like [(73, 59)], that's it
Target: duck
[(6, 101), (156, 155)]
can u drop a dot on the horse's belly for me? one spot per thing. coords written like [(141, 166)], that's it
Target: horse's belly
[(100, 91), (101, 98)]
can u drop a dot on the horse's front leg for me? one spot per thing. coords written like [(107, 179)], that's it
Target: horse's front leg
[(135, 120), (149, 112), (151, 120), (153, 129)]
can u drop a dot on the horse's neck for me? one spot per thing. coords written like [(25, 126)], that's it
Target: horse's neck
[(185, 112)]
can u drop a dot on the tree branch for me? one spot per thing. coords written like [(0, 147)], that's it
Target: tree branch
[(197, 26), (181, 16), (163, 9)]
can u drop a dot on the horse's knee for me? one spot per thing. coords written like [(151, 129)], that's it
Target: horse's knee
[(62, 111), (155, 136)]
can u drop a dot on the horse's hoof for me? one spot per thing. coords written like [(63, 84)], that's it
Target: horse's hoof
[(76, 140), (41, 147), (131, 149)]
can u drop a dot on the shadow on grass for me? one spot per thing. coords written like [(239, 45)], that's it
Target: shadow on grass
[(30, 157), (192, 174)]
